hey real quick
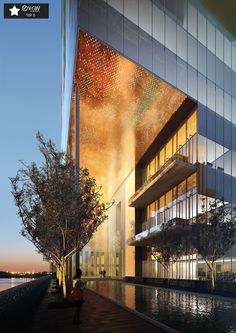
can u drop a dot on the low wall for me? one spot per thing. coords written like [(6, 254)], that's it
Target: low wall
[(227, 289), (18, 304)]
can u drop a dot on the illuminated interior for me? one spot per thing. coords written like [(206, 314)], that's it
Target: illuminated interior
[(122, 108)]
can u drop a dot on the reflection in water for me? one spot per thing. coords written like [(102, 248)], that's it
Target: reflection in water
[(183, 311), (13, 282)]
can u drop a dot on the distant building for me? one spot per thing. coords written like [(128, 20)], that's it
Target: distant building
[(149, 106)]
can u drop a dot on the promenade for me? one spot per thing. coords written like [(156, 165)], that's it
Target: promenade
[(97, 315)]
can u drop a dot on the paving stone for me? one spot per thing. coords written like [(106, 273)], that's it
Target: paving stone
[(98, 315)]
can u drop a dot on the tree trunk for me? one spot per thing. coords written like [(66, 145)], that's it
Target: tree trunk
[(211, 267), (213, 277), (59, 277), (64, 279)]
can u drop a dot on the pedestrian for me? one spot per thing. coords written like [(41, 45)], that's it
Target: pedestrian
[(104, 274), (77, 295)]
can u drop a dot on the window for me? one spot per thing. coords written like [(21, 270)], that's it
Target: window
[(170, 34), (201, 28), (162, 157), (168, 197), (192, 125), (182, 135), (152, 167), (169, 149), (192, 20)]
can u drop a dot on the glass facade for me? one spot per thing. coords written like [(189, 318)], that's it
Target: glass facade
[(182, 144), (184, 46)]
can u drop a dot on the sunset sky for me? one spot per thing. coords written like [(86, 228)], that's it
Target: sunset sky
[(30, 101)]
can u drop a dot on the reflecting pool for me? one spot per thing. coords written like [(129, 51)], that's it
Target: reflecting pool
[(186, 312)]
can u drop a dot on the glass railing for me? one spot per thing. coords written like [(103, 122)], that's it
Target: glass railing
[(186, 153)]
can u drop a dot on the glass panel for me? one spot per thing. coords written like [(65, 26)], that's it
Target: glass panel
[(84, 14), (211, 66), (201, 28), (210, 151), (182, 188), (227, 162), (130, 40), (170, 67), (169, 149), (227, 134), (211, 37), (182, 135), (145, 13), (202, 119), (192, 82), (192, 51), (234, 164), (161, 202), (157, 162), (202, 59), (117, 4), (201, 149), (151, 210), (131, 10), (227, 106), (182, 13), (219, 73), (219, 101), (115, 31), (158, 59), (227, 79), (234, 57), (219, 45), (168, 197), (158, 24), (192, 125), (181, 75), (211, 124), (98, 19), (145, 50), (174, 143), (227, 51), (219, 130), (211, 95), (192, 182), (233, 110), (181, 43), (202, 89), (152, 167), (192, 20), (162, 157), (170, 34), (233, 84)]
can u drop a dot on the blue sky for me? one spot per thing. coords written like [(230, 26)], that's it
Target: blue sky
[(30, 101)]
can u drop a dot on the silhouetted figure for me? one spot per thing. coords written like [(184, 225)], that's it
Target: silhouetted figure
[(77, 295), (104, 273)]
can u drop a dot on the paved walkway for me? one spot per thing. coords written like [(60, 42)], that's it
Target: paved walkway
[(97, 315)]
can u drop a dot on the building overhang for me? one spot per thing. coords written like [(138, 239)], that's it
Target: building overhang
[(149, 236), (173, 172)]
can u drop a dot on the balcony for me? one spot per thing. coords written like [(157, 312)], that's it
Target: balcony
[(148, 236), (175, 170)]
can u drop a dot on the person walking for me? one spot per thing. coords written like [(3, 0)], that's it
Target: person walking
[(77, 295)]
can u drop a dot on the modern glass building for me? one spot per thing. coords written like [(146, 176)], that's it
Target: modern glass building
[(149, 106)]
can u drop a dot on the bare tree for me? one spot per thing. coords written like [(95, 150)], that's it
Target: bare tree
[(214, 232), (60, 206)]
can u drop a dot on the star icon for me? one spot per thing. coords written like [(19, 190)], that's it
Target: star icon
[(14, 11)]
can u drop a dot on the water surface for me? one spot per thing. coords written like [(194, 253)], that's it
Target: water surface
[(184, 311), (12, 282)]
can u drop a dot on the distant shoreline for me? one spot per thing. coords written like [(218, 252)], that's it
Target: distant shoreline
[(8, 275)]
